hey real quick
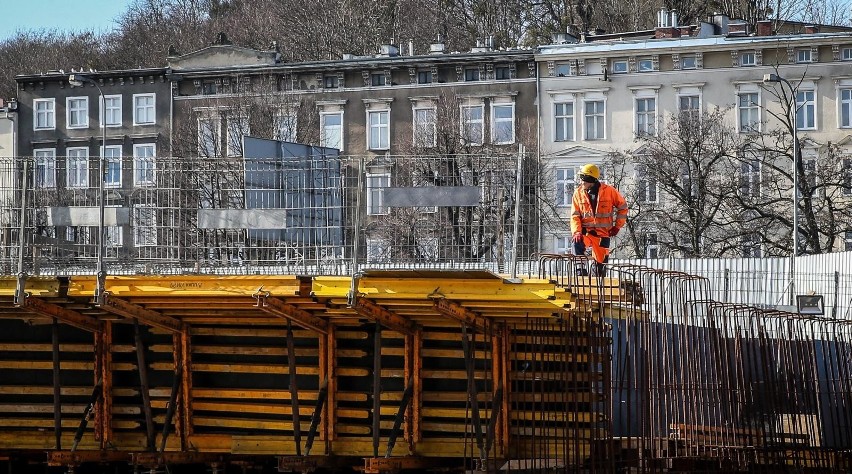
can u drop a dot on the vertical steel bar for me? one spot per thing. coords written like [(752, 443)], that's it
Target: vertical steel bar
[(142, 367), (377, 387), (294, 389), (57, 389)]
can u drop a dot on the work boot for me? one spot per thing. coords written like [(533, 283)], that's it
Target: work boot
[(599, 269), (581, 270)]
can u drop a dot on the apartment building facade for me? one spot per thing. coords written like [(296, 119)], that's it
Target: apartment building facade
[(600, 99)]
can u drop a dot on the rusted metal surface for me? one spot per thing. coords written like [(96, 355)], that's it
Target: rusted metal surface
[(67, 316), (125, 309), (457, 312), (386, 318), (275, 306)]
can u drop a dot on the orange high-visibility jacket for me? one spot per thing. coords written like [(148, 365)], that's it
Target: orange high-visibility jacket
[(611, 208)]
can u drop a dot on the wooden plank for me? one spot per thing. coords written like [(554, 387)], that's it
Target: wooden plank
[(45, 365), (260, 368), (66, 408)]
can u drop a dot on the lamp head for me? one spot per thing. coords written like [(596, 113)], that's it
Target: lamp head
[(77, 80), (771, 78)]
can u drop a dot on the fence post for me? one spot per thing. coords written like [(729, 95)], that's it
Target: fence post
[(836, 294), (725, 294)]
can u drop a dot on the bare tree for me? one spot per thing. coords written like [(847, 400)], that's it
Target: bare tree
[(680, 184)]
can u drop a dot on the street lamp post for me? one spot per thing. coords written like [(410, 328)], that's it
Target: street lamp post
[(770, 78), (77, 80)]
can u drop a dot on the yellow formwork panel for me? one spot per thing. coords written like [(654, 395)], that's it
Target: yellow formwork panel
[(188, 285), (35, 286)]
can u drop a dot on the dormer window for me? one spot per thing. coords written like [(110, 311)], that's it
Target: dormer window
[(502, 73), (209, 87), (803, 56), (688, 62), (619, 66), (471, 74), (329, 82), (646, 64), (378, 79), (748, 59), (424, 77), (562, 70)]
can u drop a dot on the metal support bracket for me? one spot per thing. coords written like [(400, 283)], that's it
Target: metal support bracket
[(67, 316), (274, 306), (457, 312), (129, 310), (385, 317)]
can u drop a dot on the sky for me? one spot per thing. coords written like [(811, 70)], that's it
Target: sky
[(64, 15)]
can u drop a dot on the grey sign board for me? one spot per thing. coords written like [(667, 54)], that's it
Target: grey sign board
[(242, 218), (87, 216), (432, 196)]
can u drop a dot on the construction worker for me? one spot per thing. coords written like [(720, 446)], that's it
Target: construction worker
[(598, 212)]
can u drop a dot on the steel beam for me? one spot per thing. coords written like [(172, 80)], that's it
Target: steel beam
[(75, 458), (299, 317), (457, 312), (126, 309), (67, 316), (383, 316)]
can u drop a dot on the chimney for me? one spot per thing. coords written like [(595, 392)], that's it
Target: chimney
[(667, 26), (811, 29), (437, 47), (738, 28), (764, 28), (411, 47)]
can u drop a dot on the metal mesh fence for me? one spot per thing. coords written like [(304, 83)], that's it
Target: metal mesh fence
[(305, 214)]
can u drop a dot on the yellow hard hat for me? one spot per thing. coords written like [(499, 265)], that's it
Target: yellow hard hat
[(590, 170)]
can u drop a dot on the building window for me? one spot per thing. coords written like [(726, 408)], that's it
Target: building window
[(646, 65), (503, 124), (646, 116), (809, 166), (112, 236), (424, 127), (378, 79), (208, 137), (44, 174), (563, 121), (144, 165), (689, 106), (751, 247), (847, 240), (45, 114), (646, 185), (238, 126), (376, 184), (803, 56), (846, 54), (748, 59), (846, 108), (144, 225), (378, 250), (111, 111), (748, 112), (143, 109), (688, 62), (472, 124), (286, 127), (750, 179), (77, 112), (847, 176), (209, 87), (379, 133), (332, 130), (424, 77), (806, 110), (594, 119), (112, 164), (471, 74), (652, 245), (502, 73), (620, 66), (562, 244), (330, 82), (565, 182), (77, 167)]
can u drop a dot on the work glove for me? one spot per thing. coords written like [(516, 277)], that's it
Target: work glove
[(577, 237), (614, 231)]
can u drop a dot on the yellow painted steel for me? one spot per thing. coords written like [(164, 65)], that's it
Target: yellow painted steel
[(188, 285), (36, 286)]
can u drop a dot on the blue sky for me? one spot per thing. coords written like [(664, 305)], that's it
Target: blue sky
[(64, 15)]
